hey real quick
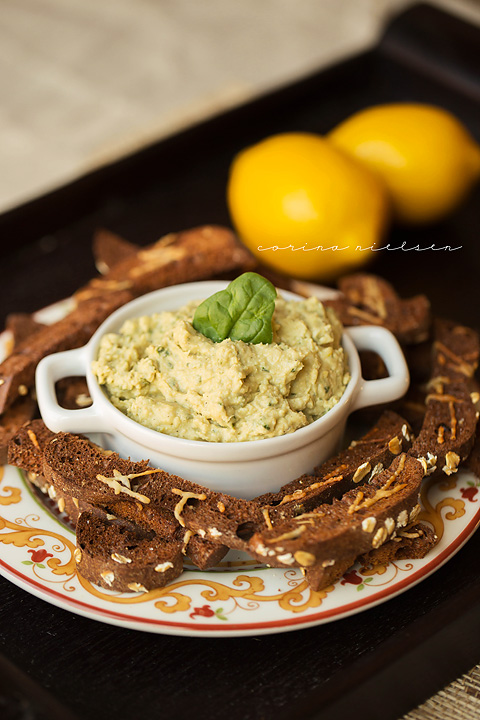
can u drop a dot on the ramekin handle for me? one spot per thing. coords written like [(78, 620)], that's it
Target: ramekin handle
[(385, 344), (55, 367)]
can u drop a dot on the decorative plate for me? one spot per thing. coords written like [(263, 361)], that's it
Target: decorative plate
[(239, 597)]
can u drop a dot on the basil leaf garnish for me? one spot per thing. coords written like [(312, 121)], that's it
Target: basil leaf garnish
[(243, 311)]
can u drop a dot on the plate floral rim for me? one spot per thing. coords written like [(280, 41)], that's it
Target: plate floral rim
[(450, 505)]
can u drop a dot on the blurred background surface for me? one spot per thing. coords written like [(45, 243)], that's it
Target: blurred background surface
[(84, 82)]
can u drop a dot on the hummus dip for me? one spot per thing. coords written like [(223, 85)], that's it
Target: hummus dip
[(164, 374)]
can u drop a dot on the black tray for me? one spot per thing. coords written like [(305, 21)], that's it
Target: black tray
[(378, 664)]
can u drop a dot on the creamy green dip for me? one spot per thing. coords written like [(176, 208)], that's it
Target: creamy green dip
[(164, 374)]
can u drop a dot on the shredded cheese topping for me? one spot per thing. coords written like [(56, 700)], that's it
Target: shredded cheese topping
[(383, 492), (121, 483), (364, 315), (268, 522), (289, 535), (33, 439), (186, 539), (183, 499), (458, 364)]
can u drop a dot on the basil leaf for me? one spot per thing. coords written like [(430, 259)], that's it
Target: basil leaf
[(243, 311)]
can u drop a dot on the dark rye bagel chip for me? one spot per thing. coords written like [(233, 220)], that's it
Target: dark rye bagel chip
[(176, 258), (369, 300), (412, 542), (117, 557), (17, 372), (352, 467), (362, 520)]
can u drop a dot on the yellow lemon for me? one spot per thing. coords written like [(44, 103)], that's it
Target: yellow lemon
[(304, 207), (426, 157)]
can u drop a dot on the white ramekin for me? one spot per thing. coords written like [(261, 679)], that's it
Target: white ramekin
[(245, 469)]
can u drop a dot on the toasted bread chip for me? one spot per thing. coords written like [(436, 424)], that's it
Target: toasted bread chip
[(73, 393), (362, 519), (22, 326), (448, 430), (18, 370), (118, 557), (109, 249), (351, 468), (370, 300), (25, 449), (410, 543), (21, 412), (176, 258)]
